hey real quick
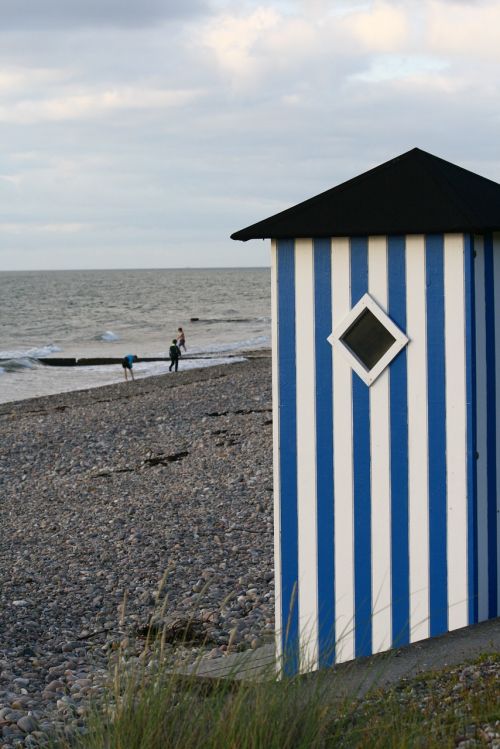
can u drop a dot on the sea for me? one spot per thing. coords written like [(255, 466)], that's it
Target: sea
[(110, 313)]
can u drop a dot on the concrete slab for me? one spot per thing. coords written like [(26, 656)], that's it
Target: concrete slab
[(253, 665), (356, 678)]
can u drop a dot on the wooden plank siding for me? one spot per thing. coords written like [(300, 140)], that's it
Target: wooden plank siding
[(387, 526)]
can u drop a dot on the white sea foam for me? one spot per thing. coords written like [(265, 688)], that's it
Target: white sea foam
[(39, 353), (150, 369), (21, 361), (32, 353), (108, 336), (15, 365)]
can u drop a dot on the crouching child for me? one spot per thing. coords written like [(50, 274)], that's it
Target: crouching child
[(127, 364)]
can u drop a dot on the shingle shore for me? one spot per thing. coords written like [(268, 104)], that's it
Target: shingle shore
[(102, 492)]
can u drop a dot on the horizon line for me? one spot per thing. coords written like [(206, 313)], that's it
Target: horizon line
[(173, 267)]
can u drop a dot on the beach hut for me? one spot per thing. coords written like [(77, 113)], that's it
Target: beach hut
[(386, 375)]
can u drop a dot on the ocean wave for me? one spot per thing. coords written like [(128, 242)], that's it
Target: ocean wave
[(40, 353), (32, 353), (16, 365), (17, 361), (107, 336)]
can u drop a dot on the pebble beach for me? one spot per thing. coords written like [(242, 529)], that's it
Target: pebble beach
[(116, 502)]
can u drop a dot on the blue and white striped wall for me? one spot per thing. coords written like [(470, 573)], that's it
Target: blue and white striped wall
[(487, 398), (386, 517)]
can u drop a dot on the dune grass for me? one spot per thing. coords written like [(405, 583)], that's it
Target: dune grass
[(162, 709)]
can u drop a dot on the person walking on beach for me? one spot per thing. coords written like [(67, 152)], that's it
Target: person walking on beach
[(181, 339), (174, 353), (127, 364)]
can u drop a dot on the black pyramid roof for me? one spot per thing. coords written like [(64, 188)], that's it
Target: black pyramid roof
[(416, 193)]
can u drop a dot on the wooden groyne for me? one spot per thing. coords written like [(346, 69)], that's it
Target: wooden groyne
[(71, 361)]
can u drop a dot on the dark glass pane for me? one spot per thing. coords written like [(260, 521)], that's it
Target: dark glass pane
[(368, 339)]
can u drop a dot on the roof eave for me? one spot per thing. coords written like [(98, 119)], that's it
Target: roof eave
[(244, 235)]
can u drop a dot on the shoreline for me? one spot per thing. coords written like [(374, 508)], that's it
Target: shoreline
[(104, 490), (244, 354), (86, 361)]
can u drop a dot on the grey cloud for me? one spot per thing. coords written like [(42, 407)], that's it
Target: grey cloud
[(473, 3), (185, 182), (167, 186), (29, 14)]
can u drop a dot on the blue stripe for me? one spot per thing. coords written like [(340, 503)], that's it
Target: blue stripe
[(399, 450), (361, 472), (470, 349), (287, 385), (436, 387), (491, 410), (324, 450)]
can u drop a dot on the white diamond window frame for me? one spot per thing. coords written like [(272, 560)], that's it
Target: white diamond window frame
[(400, 339)]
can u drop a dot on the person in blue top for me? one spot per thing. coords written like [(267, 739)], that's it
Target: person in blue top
[(127, 364)]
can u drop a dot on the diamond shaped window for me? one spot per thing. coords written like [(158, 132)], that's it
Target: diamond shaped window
[(369, 339)]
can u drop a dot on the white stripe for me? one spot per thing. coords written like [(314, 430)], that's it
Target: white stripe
[(496, 256), (456, 430), (418, 468), (276, 452), (380, 465), (343, 462), (306, 455), (481, 406)]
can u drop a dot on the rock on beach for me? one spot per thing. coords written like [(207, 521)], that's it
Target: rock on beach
[(119, 501)]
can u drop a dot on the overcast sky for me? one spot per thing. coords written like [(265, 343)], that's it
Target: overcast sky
[(143, 133)]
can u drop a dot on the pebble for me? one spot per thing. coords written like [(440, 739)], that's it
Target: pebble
[(27, 724)]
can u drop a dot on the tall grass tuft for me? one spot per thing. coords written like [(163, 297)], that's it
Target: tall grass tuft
[(163, 709), (152, 702)]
